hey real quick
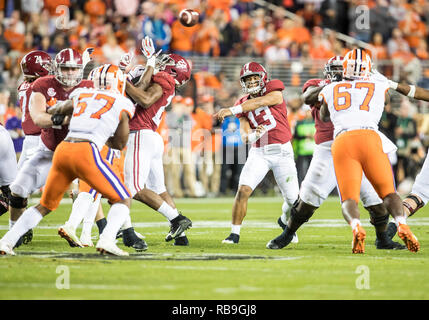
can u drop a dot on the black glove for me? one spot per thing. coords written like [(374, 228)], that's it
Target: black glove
[(57, 119)]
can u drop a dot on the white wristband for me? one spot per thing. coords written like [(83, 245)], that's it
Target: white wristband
[(392, 84), (252, 137), (412, 91), (236, 110), (151, 62)]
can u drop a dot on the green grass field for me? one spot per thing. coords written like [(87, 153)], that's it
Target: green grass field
[(320, 266)]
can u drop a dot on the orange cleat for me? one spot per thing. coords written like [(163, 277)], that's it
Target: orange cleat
[(408, 237), (358, 243)]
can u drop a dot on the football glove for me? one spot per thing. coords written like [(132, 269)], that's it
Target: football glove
[(57, 119)]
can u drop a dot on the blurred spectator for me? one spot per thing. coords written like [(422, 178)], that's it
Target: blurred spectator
[(207, 39), (233, 159), (13, 125), (112, 51), (182, 38), (378, 49), (396, 43), (126, 8), (31, 6), (380, 19), (179, 122), (303, 142), (277, 51), (95, 8), (154, 27), (413, 29)]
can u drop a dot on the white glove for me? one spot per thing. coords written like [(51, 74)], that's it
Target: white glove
[(125, 60), (135, 73), (148, 49)]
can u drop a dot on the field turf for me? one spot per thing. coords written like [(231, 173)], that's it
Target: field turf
[(320, 266)]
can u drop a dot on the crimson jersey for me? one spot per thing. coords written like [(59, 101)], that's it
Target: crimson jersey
[(150, 118), (324, 130), (54, 93), (28, 126), (274, 118)]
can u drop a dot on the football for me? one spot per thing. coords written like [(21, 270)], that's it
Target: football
[(189, 17)]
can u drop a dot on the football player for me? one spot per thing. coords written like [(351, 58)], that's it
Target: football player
[(320, 178), (355, 106), (152, 88), (34, 65), (99, 116), (8, 169), (46, 92), (419, 195), (264, 124)]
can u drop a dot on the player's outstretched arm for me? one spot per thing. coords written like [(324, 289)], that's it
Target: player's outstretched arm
[(120, 138), (271, 99), (63, 107), (144, 98), (416, 92), (38, 113)]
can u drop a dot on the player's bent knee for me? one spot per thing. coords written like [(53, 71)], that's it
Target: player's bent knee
[(243, 193), (17, 202)]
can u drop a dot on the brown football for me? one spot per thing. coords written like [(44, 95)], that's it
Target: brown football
[(189, 17)]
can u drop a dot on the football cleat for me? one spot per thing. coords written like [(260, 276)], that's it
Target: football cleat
[(408, 237), (69, 234), (283, 226), (178, 225), (28, 237), (233, 238), (391, 230), (389, 245), (281, 241), (181, 241), (358, 243), (86, 240), (131, 239), (109, 247), (6, 249)]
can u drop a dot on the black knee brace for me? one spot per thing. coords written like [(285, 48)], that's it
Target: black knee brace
[(419, 203), (17, 202)]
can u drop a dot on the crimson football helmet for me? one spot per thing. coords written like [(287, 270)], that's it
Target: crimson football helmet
[(36, 64), (175, 65), (68, 59), (250, 69), (334, 69)]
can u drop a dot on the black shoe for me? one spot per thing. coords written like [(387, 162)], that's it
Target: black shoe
[(232, 238), (391, 230), (19, 242), (28, 236), (281, 241), (280, 223), (181, 241), (130, 239), (119, 234), (178, 225), (389, 245)]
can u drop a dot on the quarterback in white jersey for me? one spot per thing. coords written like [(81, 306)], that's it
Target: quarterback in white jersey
[(99, 117)]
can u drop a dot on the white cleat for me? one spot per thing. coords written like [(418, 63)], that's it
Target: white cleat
[(6, 249), (68, 233), (105, 246), (86, 240)]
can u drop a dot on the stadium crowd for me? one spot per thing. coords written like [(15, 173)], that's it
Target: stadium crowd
[(397, 32)]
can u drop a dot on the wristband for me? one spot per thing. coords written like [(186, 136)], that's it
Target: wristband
[(412, 91), (151, 62), (237, 109), (392, 84)]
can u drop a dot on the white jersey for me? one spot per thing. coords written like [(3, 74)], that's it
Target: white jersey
[(97, 114), (355, 104)]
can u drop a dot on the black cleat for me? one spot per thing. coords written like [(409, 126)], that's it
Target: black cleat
[(19, 242), (280, 223), (181, 241), (281, 241), (232, 238), (389, 245), (28, 236), (130, 239), (178, 225), (391, 230), (119, 234)]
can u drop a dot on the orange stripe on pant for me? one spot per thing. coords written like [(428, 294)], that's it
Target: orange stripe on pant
[(81, 160), (356, 151)]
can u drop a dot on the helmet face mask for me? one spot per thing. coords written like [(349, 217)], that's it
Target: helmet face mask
[(69, 67), (334, 69), (253, 78), (176, 66)]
